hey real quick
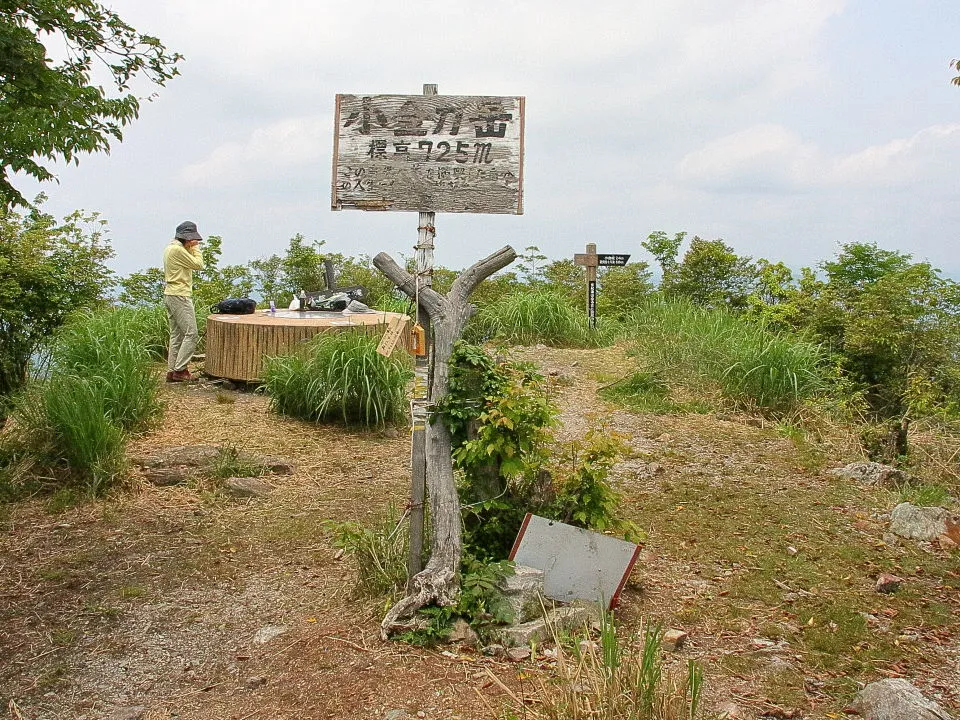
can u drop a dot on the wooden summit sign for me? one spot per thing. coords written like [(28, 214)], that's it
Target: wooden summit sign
[(428, 153)]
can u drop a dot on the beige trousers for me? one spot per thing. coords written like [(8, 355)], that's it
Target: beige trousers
[(183, 331)]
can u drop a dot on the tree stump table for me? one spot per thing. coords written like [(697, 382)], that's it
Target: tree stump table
[(236, 345)]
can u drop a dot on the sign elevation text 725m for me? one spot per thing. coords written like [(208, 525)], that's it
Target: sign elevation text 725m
[(428, 153)]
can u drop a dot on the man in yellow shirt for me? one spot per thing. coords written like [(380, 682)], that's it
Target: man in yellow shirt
[(180, 258)]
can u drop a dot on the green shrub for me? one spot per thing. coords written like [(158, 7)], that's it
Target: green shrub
[(500, 419), (536, 317), (716, 351), (340, 377)]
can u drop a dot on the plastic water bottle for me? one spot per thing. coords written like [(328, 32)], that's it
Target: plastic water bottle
[(273, 307)]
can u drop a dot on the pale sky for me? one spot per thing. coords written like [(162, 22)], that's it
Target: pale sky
[(785, 127)]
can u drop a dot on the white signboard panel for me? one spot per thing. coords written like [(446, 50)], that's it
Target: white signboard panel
[(428, 153), (577, 564)]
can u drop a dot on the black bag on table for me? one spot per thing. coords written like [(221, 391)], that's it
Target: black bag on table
[(234, 306)]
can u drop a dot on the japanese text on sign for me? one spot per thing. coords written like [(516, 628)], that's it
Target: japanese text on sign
[(610, 260), (440, 153)]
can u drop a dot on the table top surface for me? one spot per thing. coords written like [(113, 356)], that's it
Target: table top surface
[(312, 318)]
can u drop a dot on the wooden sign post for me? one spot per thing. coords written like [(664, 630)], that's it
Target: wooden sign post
[(591, 261), (428, 154)]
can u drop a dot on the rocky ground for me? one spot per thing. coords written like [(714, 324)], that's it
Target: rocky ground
[(185, 601)]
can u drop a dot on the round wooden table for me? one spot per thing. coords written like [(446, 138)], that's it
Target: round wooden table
[(237, 344)]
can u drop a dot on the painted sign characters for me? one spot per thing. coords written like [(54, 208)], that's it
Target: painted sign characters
[(429, 153)]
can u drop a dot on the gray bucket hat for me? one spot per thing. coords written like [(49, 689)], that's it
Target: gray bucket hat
[(187, 231)]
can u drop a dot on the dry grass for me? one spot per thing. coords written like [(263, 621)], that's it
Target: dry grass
[(150, 579)]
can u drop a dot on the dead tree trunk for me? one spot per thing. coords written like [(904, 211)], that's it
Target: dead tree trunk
[(437, 582)]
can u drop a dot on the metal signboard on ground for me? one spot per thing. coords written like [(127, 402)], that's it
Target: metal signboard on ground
[(577, 564), (437, 153)]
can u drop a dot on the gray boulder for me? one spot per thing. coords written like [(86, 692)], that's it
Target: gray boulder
[(871, 473), (523, 591), (896, 699), (922, 523), (561, 619)]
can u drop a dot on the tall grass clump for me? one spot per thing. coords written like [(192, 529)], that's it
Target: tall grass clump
[(379, 551), (713, 350), (72, 426), (610, 680), (113, 350), (536, 317), (340, 377)]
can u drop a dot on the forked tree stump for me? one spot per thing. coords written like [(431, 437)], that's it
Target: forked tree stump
[(236, 345)]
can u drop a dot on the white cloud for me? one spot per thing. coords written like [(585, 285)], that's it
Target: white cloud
[(267, 152), (770, 158)]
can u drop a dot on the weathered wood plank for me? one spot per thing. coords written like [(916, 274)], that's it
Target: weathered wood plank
[(428, 153)]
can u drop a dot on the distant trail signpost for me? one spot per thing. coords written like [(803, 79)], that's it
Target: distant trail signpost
[(591, 260), (430, 153)]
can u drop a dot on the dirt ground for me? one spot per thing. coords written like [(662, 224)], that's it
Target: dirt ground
[(181, 602)]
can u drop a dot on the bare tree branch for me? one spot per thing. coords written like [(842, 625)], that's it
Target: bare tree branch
[(468, 280), (430, 299)]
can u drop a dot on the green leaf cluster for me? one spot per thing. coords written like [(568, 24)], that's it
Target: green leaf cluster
[(501, 417), (55, 110), (48, 270)]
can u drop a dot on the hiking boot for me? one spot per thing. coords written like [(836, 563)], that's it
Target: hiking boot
[(170, 374), (181, 376)]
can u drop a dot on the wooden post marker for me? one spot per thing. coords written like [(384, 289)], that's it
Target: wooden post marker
[(591, 261), (423, 259), (431, 154)]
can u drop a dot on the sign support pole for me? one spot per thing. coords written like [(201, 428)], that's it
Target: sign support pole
[(592, 286), (421, 392)]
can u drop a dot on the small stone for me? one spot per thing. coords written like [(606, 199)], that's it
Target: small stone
[(518, 654), (673, 640), (494, 650), (463, 633), (946, 542), (792, 551), (890, 539), (268, 633), (730, 711), (167, 476), (339, 554), (654, 468), (398, 714), (888, 583), (246, 487), (228, 385), (391, 433), (128, 713), (275, 465), (588, 646), (252, 683)]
